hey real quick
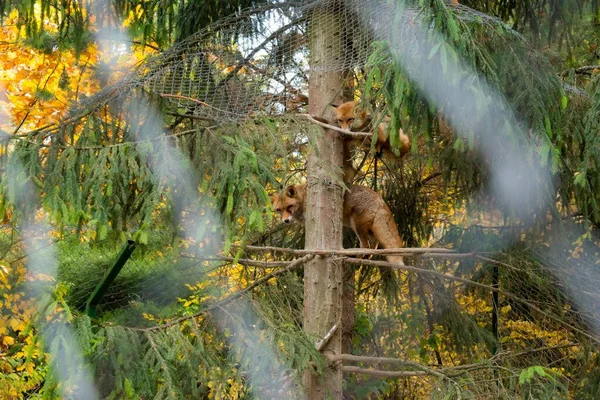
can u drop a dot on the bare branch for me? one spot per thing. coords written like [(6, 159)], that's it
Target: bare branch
[(242, 261), (419, 369), (348, 252), (323, 342), (322, 122), (383, 374)]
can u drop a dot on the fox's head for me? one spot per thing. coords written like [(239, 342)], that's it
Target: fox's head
[(346, 116), (289, 203)]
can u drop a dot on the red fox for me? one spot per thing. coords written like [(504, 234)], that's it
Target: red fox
[(348, 118), (364, 211)]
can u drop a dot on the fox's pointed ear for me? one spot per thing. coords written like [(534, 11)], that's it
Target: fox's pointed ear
[(290, 191)]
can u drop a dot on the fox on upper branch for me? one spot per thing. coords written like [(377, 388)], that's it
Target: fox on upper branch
[(364, 211), (349, 117)]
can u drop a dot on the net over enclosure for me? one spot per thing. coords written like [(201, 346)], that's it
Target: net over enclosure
[(224, 114)]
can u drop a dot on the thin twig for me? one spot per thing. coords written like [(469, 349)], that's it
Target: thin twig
[(242, 261), (178, 96)]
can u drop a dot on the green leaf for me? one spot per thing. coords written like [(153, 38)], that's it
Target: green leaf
[(254, 216), (526, 375), (374, 77), (471, 140), (459, 145), (434, 50), (564, 102), (544, 153), (141, 237), (102, 232), (229, 206), (580, 179), (548, 127), (444, 59)]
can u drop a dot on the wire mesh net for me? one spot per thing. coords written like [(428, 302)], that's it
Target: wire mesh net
[(258, 63), (232, 73)]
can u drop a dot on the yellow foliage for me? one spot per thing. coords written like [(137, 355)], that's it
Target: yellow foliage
[(37, 87), (21, 356)]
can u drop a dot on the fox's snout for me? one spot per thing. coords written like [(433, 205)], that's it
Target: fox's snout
[(287, 220)]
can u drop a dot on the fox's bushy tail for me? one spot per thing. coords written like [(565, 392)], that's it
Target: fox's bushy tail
[(386, 233)]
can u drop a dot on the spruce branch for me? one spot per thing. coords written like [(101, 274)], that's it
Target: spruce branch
[(294, 264), (587, 70)]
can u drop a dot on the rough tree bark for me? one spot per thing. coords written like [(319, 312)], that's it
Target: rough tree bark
[(323, 276)]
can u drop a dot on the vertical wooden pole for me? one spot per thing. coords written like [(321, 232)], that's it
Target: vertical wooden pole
[(323, 276)]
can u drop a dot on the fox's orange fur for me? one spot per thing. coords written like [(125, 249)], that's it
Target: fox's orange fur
[(364, 211), (348, 116)]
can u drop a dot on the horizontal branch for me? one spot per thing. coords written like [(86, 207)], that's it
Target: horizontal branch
[(588, 69), (192, 116), (418, 369), (386, 360), (242, 261), (350, 252), (107, 146), (346, 132), (382, 374), (374, 360)]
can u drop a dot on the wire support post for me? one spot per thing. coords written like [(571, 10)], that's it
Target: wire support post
[(91, 304)]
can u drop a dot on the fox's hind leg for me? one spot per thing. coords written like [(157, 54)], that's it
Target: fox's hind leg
[(386, 233), (362, 233)]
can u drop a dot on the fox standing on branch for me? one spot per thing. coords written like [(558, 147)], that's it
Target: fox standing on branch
[(349, 117), (364, 211)]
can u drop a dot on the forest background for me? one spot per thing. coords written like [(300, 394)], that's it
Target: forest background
[(508, 308)]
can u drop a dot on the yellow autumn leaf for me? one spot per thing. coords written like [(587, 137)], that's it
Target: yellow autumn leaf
[(9, 341), (17, 325)]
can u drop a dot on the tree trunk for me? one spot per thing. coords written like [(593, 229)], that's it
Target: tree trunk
[(323, 276), (348, 306)]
